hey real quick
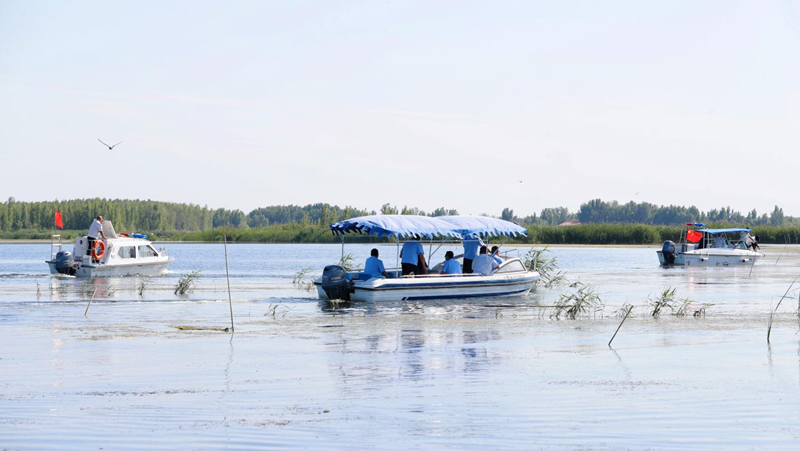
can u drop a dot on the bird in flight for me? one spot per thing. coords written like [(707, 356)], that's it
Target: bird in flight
[(109, 147)]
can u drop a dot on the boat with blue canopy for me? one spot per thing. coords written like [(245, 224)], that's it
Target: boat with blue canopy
[(511, 277), (702, 246)]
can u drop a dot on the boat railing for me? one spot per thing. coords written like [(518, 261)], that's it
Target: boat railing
[(507, 254), (56, 244)]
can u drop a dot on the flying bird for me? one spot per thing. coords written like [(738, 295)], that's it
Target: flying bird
[(109, 147)]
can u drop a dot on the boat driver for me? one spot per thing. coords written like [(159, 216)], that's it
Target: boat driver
[(484, 264), (95, 230), (374, 266), (471, 245)]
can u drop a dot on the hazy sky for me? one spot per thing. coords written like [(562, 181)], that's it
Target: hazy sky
[(430, 103)]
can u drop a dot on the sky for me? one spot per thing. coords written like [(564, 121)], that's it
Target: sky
[(471, 105)]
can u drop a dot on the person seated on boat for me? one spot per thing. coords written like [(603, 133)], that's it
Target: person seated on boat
[(451, 265), (471, 246), (496, 254), (412, 257), (95, 230), (484, 264), (374, 266)]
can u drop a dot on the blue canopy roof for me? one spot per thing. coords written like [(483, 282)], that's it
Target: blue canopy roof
[(396, 225), (718, 231), (484, 225)]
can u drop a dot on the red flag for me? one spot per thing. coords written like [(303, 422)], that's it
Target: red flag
[(693, 236), (59, 222)]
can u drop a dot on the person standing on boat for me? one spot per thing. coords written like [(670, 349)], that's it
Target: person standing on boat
[(374, 266), (471, 246), (95, 231), (412, 257), (451, 265), (484, 264)]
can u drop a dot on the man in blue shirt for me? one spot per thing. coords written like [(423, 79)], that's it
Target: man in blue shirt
[(374, 266), (471, 246), (412, 257), (484, 264), (451, 265)]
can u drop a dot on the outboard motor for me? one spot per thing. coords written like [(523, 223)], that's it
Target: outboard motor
[(668, 250), (335, 283), (65, 264)]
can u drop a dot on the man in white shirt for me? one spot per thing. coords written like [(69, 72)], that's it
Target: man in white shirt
[(95, 230), (484, 264)]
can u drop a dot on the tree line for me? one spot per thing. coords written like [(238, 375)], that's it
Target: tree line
[(155, 216), (597, 211)]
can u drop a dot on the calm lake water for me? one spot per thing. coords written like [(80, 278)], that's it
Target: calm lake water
[(303, 374)]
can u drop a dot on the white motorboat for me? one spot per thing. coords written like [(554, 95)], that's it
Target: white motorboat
[(510, 278), (117, 255), (701, 246)]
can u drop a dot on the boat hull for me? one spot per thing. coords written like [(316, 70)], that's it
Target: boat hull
[(431, 288), (713, 257), (154, 268)]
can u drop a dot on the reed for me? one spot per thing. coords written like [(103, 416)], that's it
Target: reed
[(275, 310), (772, 313), (666, 300), (347, 262), (579, 303), (142, 286), (187, 282), (303, 279), (547, 267)]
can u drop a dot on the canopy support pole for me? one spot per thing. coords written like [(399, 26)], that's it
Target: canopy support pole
[(397, 257)]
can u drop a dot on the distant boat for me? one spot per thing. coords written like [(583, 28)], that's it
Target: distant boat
[(117, 255), (701, 246), (510, 278)]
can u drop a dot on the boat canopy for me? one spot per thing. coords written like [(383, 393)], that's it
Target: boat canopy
[(396, 225), (718, 231), (484, 225)]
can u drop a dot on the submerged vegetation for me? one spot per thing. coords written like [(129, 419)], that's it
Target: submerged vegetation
[(187, 282), (583, 302), (535, 260), (668, 300)]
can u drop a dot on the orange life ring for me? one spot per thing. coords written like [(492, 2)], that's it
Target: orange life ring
[(102, 246)]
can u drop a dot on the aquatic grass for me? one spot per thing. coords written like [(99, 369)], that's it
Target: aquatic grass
[(702, 310), (666, 300), (579, 303), (547, 267), (214, 328), (304, 279), (279, 309), (772, 313), (624, 310), (142, 286), (347, 262), (87, 288), (187, 282)]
